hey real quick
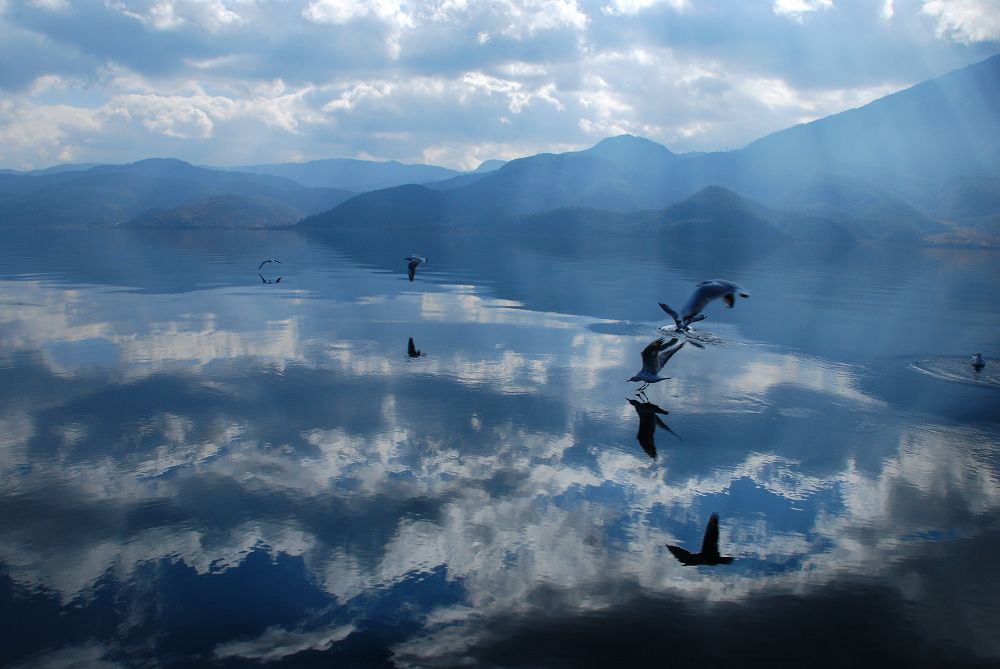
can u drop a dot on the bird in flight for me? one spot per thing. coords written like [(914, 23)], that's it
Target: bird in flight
[(267, 261), (704, 292), (709, 554), (654, 357), (412, 262)]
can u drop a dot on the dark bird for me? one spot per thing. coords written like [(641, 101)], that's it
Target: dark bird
[(704, 292), (267, 261), (649, 418), (709, 554), (411, 264), (412, 350), (263, 280), (977, 362), (654, 357)]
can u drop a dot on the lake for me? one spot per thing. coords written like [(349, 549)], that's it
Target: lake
[(203, 466)]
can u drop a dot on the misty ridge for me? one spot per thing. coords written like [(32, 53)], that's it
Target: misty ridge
[(921, 166)]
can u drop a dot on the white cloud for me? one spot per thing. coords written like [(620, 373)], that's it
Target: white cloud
[(797, 8), (633, 7), (966, 21)]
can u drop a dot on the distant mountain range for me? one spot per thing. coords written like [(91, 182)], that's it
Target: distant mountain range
[(919, 166)]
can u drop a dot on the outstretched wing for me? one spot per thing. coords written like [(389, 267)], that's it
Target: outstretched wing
[(672, 314), (411, 268), (710, 544), (668, 353), (682, 555)]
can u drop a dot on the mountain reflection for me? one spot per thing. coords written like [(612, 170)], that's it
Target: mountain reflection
[(256, 476)]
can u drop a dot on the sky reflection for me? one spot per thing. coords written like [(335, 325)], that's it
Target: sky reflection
[(277, 452)]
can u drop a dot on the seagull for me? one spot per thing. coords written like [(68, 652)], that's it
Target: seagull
[(412, 262), (654, 357), (263, 280), (648, 420), (704, 292), (709, 554), (412, 350), (977, 361), (267, 261)]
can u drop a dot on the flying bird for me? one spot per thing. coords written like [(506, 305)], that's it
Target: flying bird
[(654, 357), (977, 361), (649, 418), (263, 280), (709, 554), (412, 262), (267, 261), (704, 292), (411, 349)]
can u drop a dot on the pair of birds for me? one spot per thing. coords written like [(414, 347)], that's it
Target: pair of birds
[(659, 351)]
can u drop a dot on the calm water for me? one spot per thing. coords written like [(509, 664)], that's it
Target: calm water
[(201, 468)]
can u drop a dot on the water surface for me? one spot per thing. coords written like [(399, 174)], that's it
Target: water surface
[(198, 467)]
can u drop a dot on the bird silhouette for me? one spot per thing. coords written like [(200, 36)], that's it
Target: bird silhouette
[(704, 292), (411, 350), (709, 554), (649, 418), (411, 264), (267, 261)]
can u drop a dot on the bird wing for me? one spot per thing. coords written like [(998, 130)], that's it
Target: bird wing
[(650, 355), (682, 555), (672, 314), (411, 349), (710, 544), (411, 269), (667, 353)]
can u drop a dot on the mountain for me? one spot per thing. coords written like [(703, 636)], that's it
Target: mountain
[(872, 173), (222, 211), (351, 174), (111, 195)]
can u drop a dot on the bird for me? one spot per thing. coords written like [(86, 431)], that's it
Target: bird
[(649, 418), (263, 280), (704, 292), (412, 262), (977, 361), (709, 554), (411, 349), (267, 261), (654, 357)]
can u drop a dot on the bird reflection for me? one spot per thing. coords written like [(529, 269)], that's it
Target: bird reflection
[(411, 349), (654, 357), (649, 418), (411, 264), (263, 280), (709, 554)]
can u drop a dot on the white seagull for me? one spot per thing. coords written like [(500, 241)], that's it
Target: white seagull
[(267, 261), (412, 262), (704, 292), (977, 361), (654, 357)]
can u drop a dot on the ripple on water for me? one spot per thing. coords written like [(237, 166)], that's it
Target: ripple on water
[(957, 368)]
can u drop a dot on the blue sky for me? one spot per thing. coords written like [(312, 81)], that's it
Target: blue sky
[(449, 82)]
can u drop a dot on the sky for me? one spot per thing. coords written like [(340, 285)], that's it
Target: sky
[(450, 82)]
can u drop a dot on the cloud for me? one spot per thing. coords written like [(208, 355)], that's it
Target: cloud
[(965, 21)]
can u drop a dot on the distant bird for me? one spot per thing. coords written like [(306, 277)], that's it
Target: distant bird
[(648, 420), (412, 262), (412, 350), (654, 357), (704, 292), (263, 280), (709, 554), (977, 361), (267, 261)]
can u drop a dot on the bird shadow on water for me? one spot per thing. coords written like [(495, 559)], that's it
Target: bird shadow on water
[(649, 419)]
